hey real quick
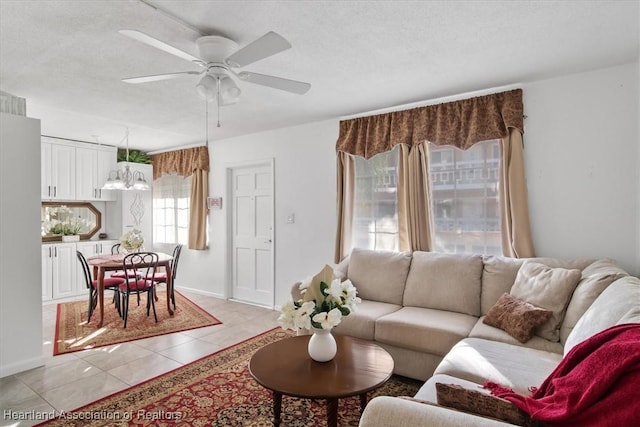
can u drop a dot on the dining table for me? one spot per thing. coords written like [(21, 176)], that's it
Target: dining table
[(103, 263)]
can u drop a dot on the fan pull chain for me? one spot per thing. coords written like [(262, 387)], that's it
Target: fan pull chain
[(206, 124), (218, 98)]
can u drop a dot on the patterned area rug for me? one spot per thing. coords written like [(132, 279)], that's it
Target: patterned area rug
[(218, 390), (73, 333)]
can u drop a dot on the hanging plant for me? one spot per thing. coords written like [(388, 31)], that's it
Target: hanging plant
[(135, 156)]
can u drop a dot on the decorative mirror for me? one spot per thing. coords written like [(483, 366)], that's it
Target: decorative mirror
[(69, 218)]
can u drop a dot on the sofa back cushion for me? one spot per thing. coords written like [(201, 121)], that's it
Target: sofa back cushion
[(548, 288), (445, 282), (595, 279), (379, 275), (499, 274), (618, 303)]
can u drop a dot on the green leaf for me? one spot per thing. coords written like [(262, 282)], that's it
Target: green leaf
[(344, 310), (323, 288), (135, 156)]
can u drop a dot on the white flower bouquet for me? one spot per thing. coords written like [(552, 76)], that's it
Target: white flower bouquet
[(325, 299), (132, 240)]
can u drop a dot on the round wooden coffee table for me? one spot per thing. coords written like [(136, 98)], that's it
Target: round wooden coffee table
[(284, 367)]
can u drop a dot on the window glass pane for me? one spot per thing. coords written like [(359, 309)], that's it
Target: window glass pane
[(464, 189), (375, 222), (171, 194)]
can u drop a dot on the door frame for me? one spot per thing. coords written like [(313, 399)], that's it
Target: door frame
[(229, 274)]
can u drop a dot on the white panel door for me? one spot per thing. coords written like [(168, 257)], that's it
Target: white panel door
[(252, 222)]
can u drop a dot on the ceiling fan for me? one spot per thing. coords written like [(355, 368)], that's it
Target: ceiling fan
[(218, 57)]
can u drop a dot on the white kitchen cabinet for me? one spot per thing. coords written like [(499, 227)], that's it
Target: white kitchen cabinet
[(58, 171), (93, 164), (59, 271)]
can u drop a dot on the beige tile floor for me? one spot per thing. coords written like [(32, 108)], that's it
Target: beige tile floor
[(71, 380)]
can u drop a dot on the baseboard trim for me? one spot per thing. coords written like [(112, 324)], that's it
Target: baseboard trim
[(23, 365)]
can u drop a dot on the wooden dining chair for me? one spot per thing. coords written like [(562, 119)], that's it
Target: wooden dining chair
[(112, 283), (145, 263), (161, 276)]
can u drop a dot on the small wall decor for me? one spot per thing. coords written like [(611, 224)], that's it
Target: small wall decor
[(214, 202), (137, 209)]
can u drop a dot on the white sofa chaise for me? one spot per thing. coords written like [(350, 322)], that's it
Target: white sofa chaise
[(427, 310)]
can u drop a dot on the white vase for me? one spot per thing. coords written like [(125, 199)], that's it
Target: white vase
[(322, 345), (71, 238)]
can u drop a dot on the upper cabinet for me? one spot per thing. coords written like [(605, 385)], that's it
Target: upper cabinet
[(76, 171), (93, 165), (58, 177)]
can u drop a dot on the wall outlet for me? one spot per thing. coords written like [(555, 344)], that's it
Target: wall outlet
[(291, 218)]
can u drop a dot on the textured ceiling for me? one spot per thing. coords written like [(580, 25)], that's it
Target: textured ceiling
[(67, 58)]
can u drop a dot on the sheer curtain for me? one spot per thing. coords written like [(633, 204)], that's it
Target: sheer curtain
[(461, 124)]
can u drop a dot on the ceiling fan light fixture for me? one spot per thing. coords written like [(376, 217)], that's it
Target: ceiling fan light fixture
[(229, 91), (207, 88)]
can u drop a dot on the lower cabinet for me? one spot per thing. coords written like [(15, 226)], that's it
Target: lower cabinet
[(62, 275), (58, 271)]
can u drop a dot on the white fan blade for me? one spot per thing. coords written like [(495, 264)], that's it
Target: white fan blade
[(157, 77), (148, 40), (267, 45), (292, 86)]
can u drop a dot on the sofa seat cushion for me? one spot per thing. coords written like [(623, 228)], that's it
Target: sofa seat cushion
[(424, 329), (513, 366), (379, 275), (450, 282), (484, 331), (361, 323)]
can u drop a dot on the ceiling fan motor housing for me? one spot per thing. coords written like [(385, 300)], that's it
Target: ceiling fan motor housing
[(215, 48)]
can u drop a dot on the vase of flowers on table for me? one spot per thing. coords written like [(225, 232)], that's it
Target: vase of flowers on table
[(132, 241), (325, 299)]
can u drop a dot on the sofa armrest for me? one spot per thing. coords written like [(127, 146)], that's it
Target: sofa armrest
[(384, 411)]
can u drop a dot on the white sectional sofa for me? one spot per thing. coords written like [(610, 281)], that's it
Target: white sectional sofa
[(427, 310)]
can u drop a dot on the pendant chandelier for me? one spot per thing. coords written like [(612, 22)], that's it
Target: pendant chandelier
[(126, 179)]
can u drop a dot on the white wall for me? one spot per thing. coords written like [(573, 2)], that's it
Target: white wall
[(20, 243), (582, 158), (582, 161), (305, 182)]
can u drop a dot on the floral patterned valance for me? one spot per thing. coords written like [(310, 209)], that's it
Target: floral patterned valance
[(183, 162), (460, 123)]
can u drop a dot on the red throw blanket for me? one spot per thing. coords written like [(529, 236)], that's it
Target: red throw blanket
[(596, 384)]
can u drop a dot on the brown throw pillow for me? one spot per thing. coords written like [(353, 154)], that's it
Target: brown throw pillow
[(516, 317), (475, 402)]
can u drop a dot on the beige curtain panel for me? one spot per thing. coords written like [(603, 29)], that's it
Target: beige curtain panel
[(346, 173), (460, 124), (415, 222), (514, 205), (192, 162)]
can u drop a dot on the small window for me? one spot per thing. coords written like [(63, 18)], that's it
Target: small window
[(171, 195)]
